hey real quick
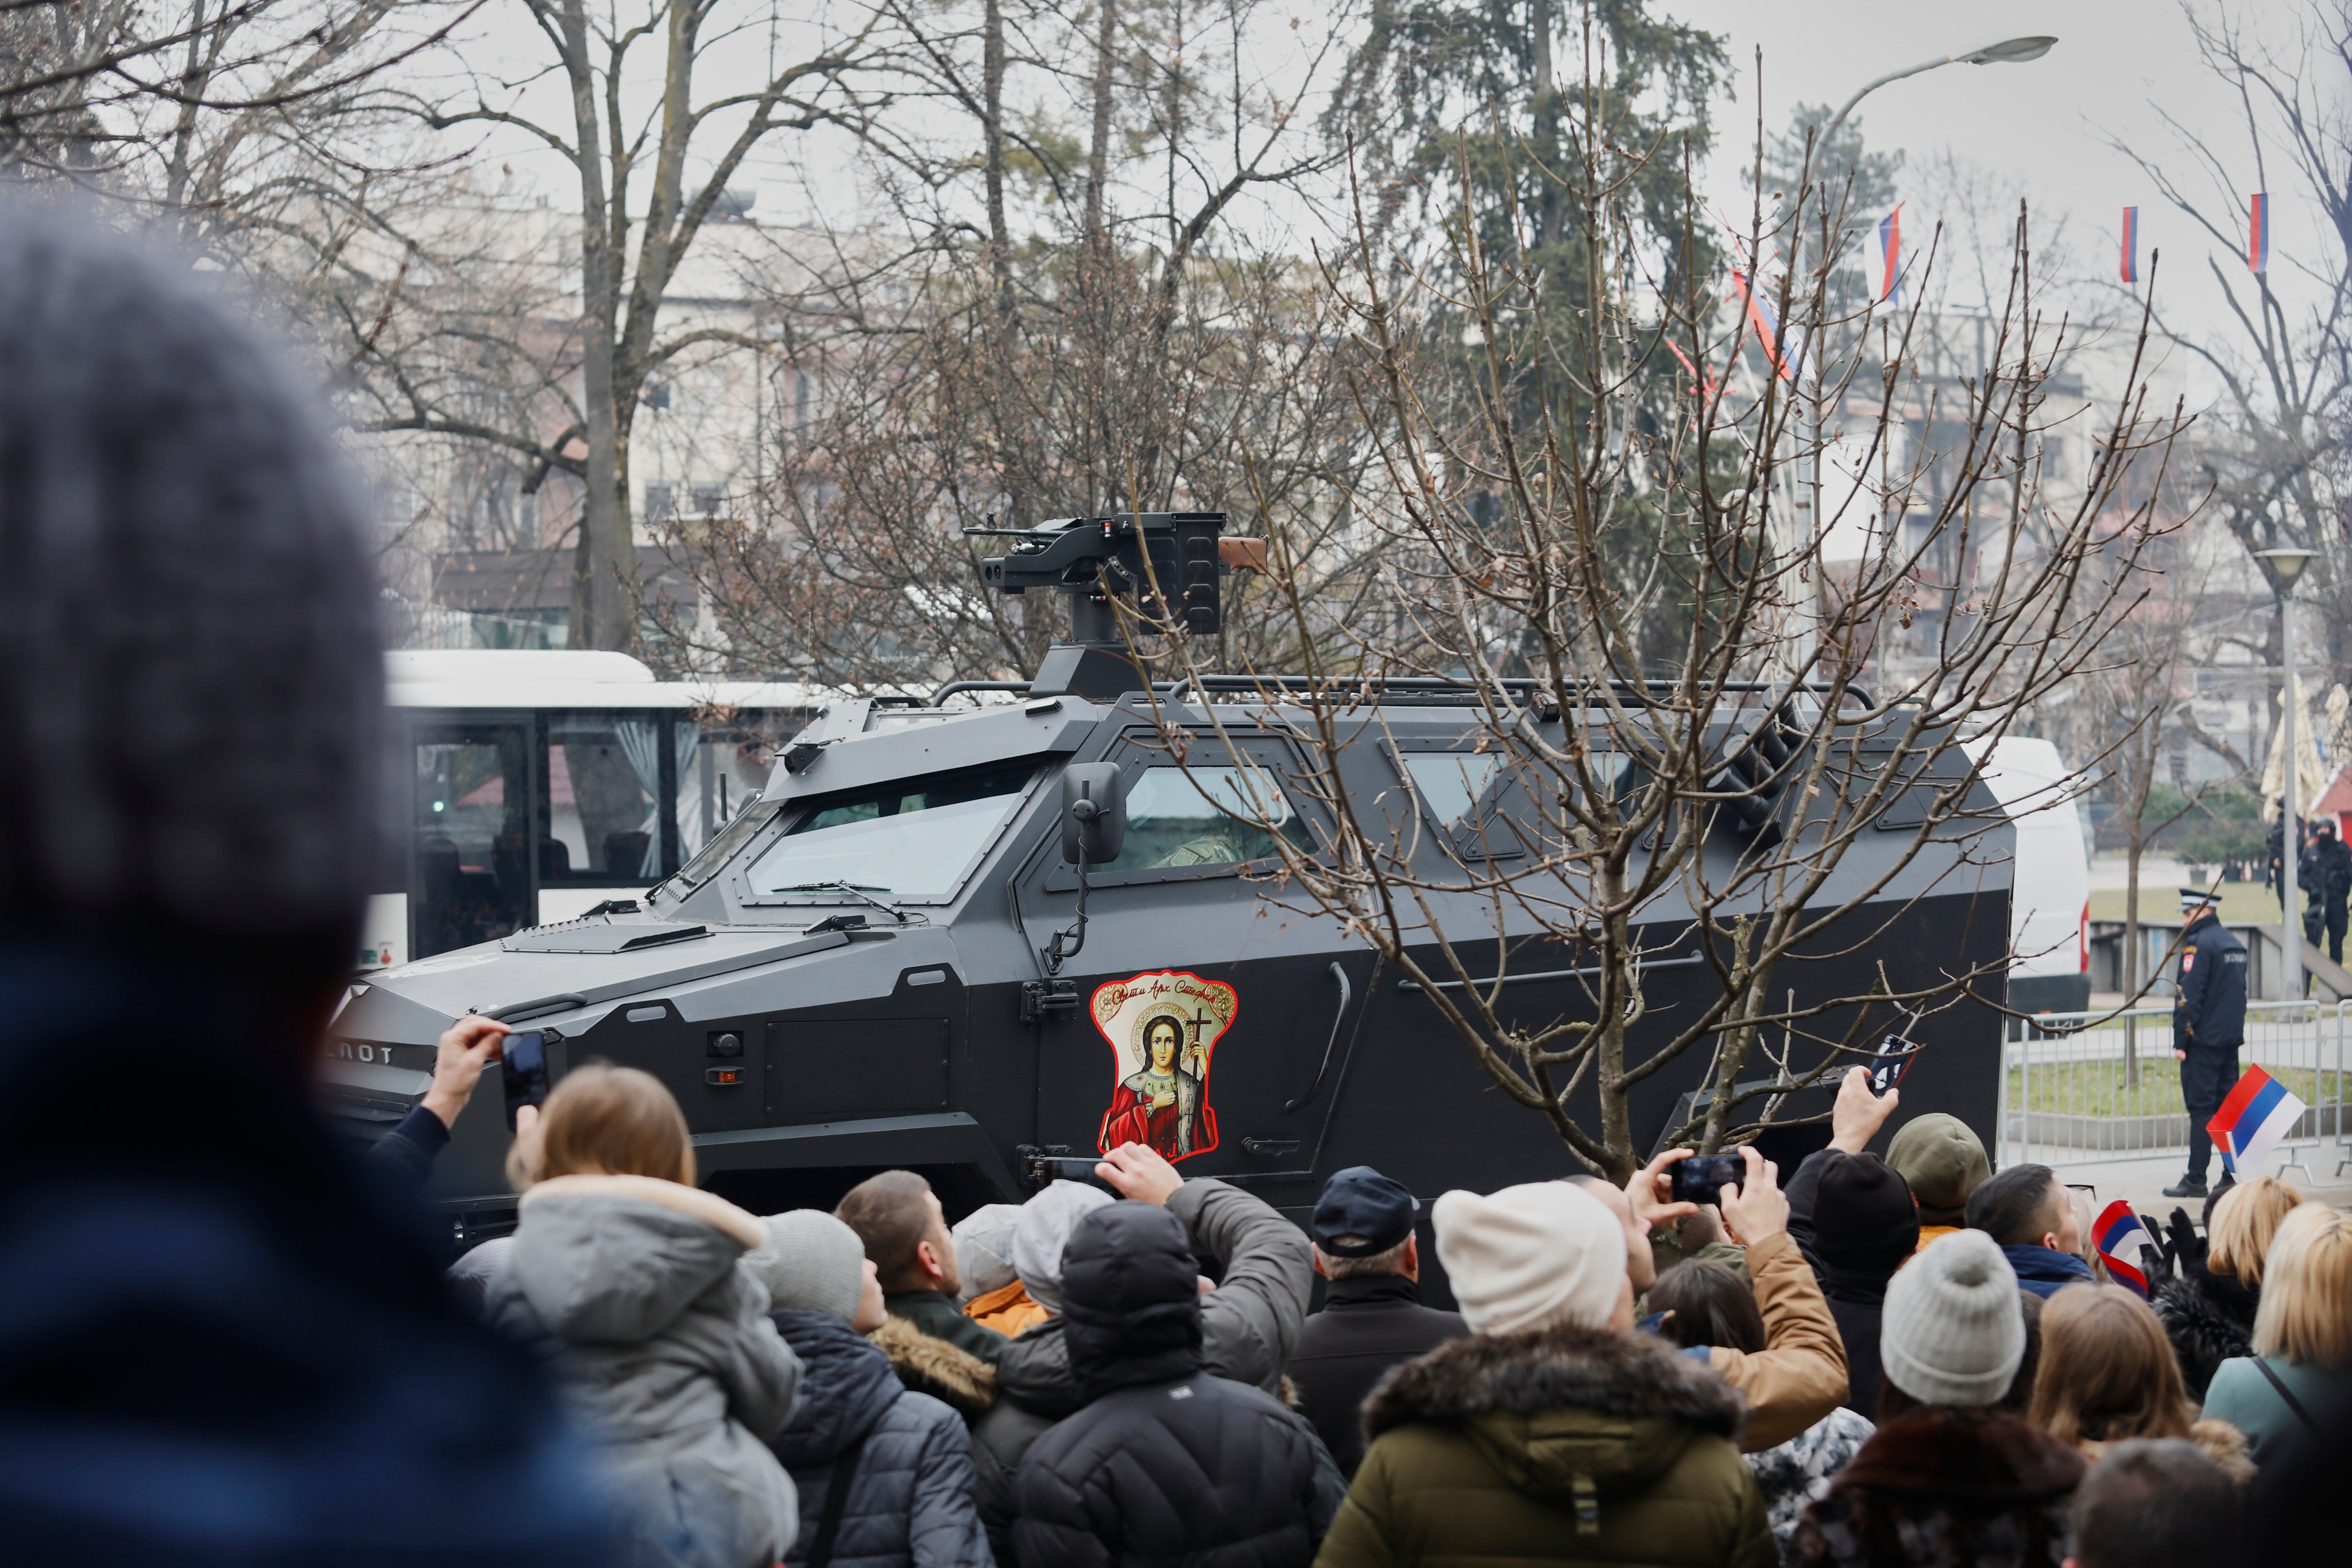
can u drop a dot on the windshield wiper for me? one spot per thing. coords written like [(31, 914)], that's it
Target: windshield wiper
[(864, 894)]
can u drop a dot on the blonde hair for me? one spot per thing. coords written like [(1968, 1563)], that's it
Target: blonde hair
[(2306, 1308), (605, 1121), (2107, 1369), (2244, 1220)]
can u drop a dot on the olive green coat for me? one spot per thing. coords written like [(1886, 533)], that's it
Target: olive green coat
[(1561, 1445)]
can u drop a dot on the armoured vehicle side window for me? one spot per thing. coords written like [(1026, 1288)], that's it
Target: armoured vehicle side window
[(1450, 782), (722, 849), (913, 837), (1174, 820), (473, 876)]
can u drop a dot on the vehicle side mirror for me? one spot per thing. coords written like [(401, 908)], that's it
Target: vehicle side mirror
[(1094, 813)]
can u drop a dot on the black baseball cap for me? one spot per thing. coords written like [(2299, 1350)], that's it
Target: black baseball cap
[(1363, 1212)]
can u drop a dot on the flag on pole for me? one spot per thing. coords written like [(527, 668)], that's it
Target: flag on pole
[(2257, 1114), (1767, 324), (1890, 257), (2258, 236), (2121, 1236), (2131, 244)]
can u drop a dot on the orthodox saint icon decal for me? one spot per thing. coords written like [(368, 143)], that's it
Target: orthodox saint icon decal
[(1163, 1029)]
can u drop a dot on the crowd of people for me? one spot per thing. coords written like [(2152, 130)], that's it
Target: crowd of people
[(1898, 1359), (223, 1341)]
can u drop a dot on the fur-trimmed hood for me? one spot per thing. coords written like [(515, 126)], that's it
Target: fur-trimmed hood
[(1551, 1407), (616, 1259), (929, 1364), (2209, 1318)]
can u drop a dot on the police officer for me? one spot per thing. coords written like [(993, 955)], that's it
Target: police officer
[(2209, 1024), (2325, 873)]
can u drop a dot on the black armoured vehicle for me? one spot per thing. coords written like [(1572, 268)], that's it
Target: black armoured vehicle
[(859, 971)]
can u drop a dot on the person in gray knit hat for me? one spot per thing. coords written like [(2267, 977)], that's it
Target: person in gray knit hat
[(191, 716), (908, 1498), (1947, 1463), (1951, 1333)]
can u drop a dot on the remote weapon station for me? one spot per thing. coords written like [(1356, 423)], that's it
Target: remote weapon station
[(965, 938)]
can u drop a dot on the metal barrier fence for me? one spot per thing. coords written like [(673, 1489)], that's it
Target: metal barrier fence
[(2098, 1087)]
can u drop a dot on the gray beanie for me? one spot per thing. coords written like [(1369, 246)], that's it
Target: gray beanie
[(1043, 1231), (191, 685), (1952, 1331), (812, 1263), (983, 1247)]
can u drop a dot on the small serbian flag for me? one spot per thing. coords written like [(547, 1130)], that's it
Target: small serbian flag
[(2251, 1123), (2258, 235), (2121, 1236), (1890, 257), (2131, 244), (1767, 324)]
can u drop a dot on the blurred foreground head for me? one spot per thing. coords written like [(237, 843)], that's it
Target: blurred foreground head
[(190, 673)]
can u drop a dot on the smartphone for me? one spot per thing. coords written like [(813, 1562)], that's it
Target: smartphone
[(522, 1056), (1702, 1177), (1894, 1057), (1043, 1168)]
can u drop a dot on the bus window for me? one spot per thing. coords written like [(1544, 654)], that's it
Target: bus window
[(472, 882), (604, 774), (728, 769)]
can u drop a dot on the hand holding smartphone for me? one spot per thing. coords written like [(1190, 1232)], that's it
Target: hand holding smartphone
[(522, 1060), (1702, 1177), (1893, 1059)]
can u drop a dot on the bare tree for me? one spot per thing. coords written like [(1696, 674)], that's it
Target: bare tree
[(1613, 813), (2276, 447), (653, 149)]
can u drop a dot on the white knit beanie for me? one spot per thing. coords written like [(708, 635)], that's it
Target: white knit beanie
[(812, 1263), (1043, 1229), (1953, 1332), (983, 1247), (1527, 1255)]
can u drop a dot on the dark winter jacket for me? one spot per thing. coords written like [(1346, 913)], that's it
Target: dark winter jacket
[(1249, 1326), (632, 1286), (1947, 1489), (964, 1383), (2209, 1003), (2209, 1318), (226, 1341), (407, 1153), (1165, 1463), (1563, 1445), (1855, 1269), (1368, 1325), (2044, 1271), (909, 1500), (937, 1314)]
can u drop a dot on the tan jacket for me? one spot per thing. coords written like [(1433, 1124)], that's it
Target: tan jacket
[(1800, 1374)]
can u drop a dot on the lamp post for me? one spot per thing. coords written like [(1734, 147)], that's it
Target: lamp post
[(2285, 566), (2009, 51)]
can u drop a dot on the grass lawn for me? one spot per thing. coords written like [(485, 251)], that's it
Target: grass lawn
[(2098, 1089), (2242, 903)]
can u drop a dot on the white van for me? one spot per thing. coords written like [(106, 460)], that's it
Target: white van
[(2050, 907)]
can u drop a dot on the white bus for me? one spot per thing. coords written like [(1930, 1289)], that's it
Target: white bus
[(529, 787)]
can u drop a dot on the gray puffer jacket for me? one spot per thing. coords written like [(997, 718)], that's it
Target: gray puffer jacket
[(666, 1347), (909, 1503), (1249, 1325)]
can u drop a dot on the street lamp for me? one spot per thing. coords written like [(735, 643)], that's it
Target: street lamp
[(2009, 51), (2285, 566)]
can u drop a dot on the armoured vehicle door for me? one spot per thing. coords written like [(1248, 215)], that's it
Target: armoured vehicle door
[(1205, 1011)]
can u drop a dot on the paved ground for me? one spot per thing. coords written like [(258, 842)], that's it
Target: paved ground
[(2142, 1182)]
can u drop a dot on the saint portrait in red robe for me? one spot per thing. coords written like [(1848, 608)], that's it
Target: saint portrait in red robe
[(1161, 1105)]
